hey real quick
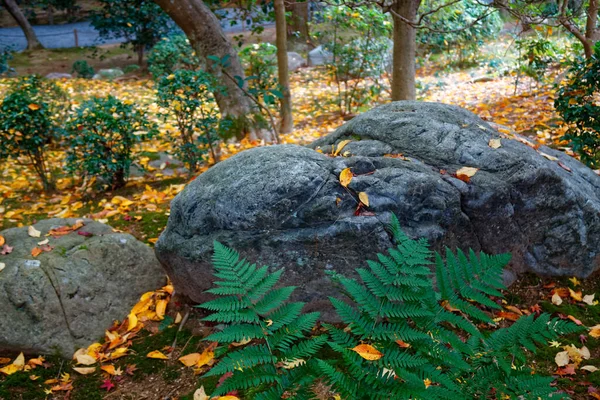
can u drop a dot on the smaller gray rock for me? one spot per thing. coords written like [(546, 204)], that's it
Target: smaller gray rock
[(110, 73), (165, 161), (58, 75), (67, 297), (319, 56), (295, 61)]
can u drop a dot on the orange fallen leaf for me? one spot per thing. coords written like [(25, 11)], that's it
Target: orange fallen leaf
[(190, 360), (346, 177), (595, 331), (368, 352), (466, 173), (157, 354), (402, 344), (508, 315), (33, 107), (572, 318), (2, 240)]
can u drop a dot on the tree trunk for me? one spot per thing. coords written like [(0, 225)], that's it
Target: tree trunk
[(207, 38), (32, 41), (140, 55), (405, 50), (298, 25), (287, 122)]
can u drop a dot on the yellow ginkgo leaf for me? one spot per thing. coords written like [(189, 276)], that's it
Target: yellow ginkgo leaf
[(157, 354), (364, 198), (341, 146), (132, 322), (345, 177), (368, 352), (161, 306)]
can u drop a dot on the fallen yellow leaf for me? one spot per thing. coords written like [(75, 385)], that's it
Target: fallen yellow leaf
[(345, 177), (157, 354), (575, 295), (132, 322), (364, 198), (368, 352), (190, 359), (161, 307), (341, 146)]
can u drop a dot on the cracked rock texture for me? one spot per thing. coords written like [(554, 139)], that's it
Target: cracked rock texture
[(66, 298), (284, 206)]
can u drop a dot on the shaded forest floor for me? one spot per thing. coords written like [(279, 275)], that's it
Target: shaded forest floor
[(525, 108)]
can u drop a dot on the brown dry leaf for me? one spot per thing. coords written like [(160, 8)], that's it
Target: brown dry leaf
[(157, 354), (85, 359), (508, 315), (589, 299), (514, 309), (36, 251), (368, 352), (31, 231), (200, 394), (84, 370), (346, 177), (466, 173), (364, 198), (556, 299), (561, 359), (495, 143)]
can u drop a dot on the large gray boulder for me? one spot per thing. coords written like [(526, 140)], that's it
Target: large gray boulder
[(284, 206), (319, 56), (66, 298), (295, 61)]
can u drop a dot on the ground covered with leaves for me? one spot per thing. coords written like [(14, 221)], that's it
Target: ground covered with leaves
[(157, 351)]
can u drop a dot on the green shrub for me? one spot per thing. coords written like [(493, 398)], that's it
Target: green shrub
[(82, 69), (172, 53), (458, 28), (357, 52), (188, 96), (404, 337), (577, 104), (29, 122), (260, 65), (102, 135), (535, 56)]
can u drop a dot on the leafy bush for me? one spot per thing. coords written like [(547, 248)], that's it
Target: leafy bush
[(357, 47), (260, 64), (577, 103), (171, 53), (102, 135), (82, 69), (535, 56), (29, 123), (404, 337), (188, 96), (458, 27)]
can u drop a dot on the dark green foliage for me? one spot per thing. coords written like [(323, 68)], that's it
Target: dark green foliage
[(431, 346), (397, 301), (577, 103), (357, 47), (188, 96), (82, 69), (535, 56), (172, 53), (141, 22), (102, 137), (260, 65), (279, 358), (461, 27), (29, 122)]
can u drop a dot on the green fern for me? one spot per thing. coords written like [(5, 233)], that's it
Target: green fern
[(278, 360), (430, 345), (448, 357)]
